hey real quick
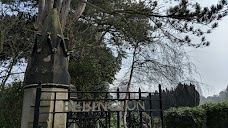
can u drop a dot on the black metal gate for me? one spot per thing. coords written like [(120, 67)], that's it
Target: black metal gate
[(105, 109)]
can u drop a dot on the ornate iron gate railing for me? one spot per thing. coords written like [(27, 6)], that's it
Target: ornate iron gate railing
[(104, 109)]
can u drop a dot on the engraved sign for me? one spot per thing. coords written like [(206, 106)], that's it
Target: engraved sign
[(88, 106)]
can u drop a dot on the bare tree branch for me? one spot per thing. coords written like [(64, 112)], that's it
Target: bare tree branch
[(10, 67), (14, 73)]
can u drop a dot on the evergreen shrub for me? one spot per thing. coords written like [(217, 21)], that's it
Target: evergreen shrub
[(217, 114), (11, 99), (185, 117)]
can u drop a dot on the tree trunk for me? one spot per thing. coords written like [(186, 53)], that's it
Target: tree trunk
[(129, 86), (63, 7)]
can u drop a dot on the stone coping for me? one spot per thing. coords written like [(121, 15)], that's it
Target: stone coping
[(48, 85)]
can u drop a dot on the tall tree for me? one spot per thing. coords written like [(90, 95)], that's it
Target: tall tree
[(182, 96), (126, 23)]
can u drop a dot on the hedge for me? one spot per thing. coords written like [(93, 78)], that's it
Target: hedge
[(185, 117), (11, 100), (217, 114)]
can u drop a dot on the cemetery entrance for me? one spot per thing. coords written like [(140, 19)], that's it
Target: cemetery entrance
[(101, 109)]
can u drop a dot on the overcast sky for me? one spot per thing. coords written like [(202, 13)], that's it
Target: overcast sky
[(212, 61)]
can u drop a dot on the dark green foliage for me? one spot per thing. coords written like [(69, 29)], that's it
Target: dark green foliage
[(210, 115), (217, 114), (186, 95), (11, 100), (95, 71), (92, 64), (16, 35), (224, 94), (135, 120), (182, 96), (185, 117)]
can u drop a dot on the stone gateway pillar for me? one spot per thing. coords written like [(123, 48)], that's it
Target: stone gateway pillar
[(47, 64)]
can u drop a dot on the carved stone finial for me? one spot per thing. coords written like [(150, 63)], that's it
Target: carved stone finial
[(48, 62)]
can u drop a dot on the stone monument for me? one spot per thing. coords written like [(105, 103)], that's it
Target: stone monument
[(48, 64)]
